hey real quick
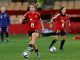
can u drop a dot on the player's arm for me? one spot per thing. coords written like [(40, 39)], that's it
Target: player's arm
[(41, 22), (69, 24), (8, 18), (68, 21), (21, 20), (53, 18)]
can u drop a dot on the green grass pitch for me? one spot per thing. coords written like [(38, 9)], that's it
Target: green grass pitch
[(18, 43)]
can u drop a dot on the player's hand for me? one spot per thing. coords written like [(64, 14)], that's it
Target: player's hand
[(58, 31), (50, 25), (7, 28), (20, 21), (0, 29), (50, 22), (69, 25)]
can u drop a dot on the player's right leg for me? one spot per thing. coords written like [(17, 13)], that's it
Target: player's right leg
[(32, 37), (2, 34), (53, 41), (30, 46), (26, 53)]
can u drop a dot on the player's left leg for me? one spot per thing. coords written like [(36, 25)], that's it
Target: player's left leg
[(54, 40), (7, 35), (32, 43), (35, 47), (34, 37), (63, 36)]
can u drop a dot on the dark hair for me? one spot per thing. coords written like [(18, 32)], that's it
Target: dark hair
[(61, 11)]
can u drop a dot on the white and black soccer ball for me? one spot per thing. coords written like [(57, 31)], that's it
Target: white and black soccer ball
[(26, 54), (52, 49)]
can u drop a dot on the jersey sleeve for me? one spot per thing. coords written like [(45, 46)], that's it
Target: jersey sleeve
[(39, 16)]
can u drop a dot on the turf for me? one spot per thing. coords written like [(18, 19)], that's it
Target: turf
[(18, 43)]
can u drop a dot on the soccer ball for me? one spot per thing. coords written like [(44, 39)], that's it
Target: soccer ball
[(52, 49), (26, 54)]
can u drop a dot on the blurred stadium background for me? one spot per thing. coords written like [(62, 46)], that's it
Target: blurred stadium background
[(18, 42), (17, 8)]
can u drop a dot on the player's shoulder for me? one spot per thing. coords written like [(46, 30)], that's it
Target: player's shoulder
[(37, 13), (26, 13)]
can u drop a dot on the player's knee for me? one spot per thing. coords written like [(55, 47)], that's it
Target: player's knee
[(56, 37), (32, 42), (35, 35), (63, 37)]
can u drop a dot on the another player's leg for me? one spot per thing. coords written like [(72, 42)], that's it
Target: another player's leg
[(54, 41), (63, 40)]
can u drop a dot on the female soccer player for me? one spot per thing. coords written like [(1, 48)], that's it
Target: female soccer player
[(33, 25), (61, 18)]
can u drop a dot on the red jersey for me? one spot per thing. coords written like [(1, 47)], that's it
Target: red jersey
[(33, 21), (61, 21)]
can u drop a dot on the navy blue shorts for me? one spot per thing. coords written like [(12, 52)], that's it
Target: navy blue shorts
[(4, 29), (60, 33)]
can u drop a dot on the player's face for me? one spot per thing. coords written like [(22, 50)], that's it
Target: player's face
[(2, 9), (32, 8), (63, 10)]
